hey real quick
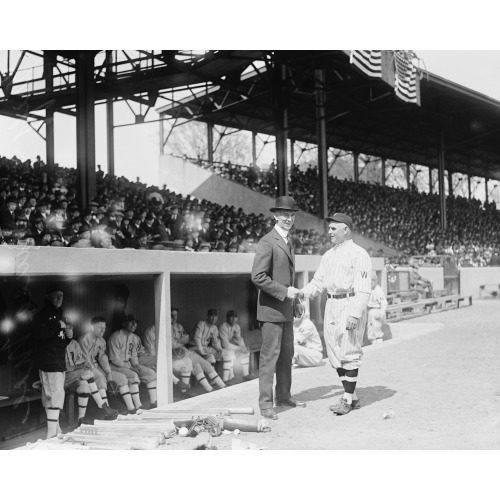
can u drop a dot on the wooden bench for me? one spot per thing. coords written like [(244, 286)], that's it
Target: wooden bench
[(495, 293)]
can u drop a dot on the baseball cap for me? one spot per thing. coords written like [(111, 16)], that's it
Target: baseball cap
[(54, 287), (343, 218), (130, 317), (232, 314), (212, 312)]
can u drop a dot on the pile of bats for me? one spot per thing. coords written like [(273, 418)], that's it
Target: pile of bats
[(152, 429)]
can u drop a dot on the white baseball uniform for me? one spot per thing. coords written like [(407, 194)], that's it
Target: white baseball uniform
[(345, 268)]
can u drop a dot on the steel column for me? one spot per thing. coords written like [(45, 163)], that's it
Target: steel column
[(356, 167), (321, 141), (281, 127), (210, 143), (468, 185), (442, 197), (162, 133), (110, 135), (48, 70), (110, 121), (383, 172), (450, 183), (85, 127), (430, 181), (408, 180), (486, 189), (292, 154), (254, 149)]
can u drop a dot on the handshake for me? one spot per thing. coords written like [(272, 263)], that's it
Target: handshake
[(294, 293)]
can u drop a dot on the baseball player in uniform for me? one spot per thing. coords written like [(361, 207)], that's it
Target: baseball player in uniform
[(230, 337), (123, 356), (307, 346), (186, 361), (81, 379), (51, 336), (208, 345), (94, 348), (345, 273), (377, 305)]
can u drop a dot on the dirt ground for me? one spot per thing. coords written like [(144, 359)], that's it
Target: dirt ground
[(439, 374)]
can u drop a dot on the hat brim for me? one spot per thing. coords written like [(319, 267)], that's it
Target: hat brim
[(275, 209)]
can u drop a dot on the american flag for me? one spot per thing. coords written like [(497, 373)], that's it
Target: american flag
[(396, 67), (368, 61), (406, 75)]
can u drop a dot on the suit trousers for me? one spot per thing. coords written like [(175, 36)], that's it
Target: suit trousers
[(276, 355)]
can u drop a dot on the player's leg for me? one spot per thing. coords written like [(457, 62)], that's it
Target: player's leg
[(284, 364), (208, 370), (228, 358), (123, 388), (133, 383), (148, 376), (52, 399), (199, 374)]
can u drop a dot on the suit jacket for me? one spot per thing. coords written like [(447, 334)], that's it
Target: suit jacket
[(273, 272)]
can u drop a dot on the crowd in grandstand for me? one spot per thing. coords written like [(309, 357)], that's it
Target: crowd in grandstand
[(406, 220), (38, 207)]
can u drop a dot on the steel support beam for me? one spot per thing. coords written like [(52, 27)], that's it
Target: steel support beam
[(110, 135), (321, 141), (450, 183), (281, 128), (356, 167), (49, 62), (383, 171), (292, 153), (254, 149), (408, 180), (110, 121), (162, 133), (469, 187), (210, 143), (442, 196), (486, 189), (430, 181), (85, 127)]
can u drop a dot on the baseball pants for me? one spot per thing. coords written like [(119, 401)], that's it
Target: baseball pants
[(76, 381), (52, 389), (134, 376), (304, 356), (374, 326), (342, 346)]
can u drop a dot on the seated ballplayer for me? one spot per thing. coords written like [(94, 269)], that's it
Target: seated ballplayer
[(307, 346), (184, 360), (208, 345), (94, 348), (122, 350), (147, 357), (230, 336), (377, 305), (81, 379), (418, 283)]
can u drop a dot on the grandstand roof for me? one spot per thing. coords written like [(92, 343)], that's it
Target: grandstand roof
[(363, 114)]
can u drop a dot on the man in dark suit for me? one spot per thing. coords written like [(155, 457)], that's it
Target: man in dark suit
[(273, 273)]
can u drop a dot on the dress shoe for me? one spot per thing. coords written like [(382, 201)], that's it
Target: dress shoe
[(269, 413), (290, 402)]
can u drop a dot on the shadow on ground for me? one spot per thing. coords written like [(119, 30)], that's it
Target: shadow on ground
[(367, 395)]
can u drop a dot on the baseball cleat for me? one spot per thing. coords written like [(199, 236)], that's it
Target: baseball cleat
[(108, 413), (356, 405), (344, 408)]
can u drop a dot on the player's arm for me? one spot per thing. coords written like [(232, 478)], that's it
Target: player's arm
[(315, 286), (198, 334), (216, 340), (362, 284), (224, 335)]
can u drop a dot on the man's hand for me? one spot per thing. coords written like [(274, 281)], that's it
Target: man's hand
[(352, 323), (300, 294), (292, 292), (68, 332)]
